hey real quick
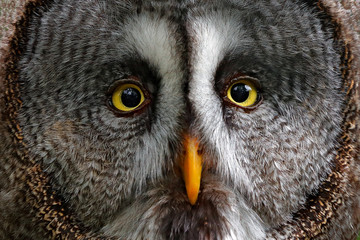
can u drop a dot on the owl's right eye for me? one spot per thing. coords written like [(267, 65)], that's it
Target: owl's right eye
[(128, 97)]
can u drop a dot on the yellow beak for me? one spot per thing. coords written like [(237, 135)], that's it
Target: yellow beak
[(191, 168)]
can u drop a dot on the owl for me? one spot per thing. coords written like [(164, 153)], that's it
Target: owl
[(180, 119)]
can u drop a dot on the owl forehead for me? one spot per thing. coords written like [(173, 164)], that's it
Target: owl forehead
[(154, 34), (154, 39), (206, 42)]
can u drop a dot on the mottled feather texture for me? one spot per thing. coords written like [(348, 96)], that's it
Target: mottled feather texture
[(119, 176)]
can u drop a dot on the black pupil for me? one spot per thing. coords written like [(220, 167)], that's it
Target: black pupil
[(131, 97), (240, 92)]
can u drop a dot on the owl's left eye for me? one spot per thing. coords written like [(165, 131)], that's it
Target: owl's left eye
[(128, 97), (243, 92)]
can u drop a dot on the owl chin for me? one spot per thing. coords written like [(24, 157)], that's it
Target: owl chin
[(210, 210), (165, 212)]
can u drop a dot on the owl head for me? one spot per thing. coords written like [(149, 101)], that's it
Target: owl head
[(180, 120)]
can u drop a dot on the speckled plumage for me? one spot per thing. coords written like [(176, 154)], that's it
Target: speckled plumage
[(118, 176)]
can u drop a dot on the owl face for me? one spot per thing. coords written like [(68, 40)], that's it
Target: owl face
[(110, 89)]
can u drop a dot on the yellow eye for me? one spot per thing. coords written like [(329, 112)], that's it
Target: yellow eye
[(243, 93), (127, 97)]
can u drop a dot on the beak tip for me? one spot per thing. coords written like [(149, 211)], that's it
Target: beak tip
[(193, 196), (192, 202)]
